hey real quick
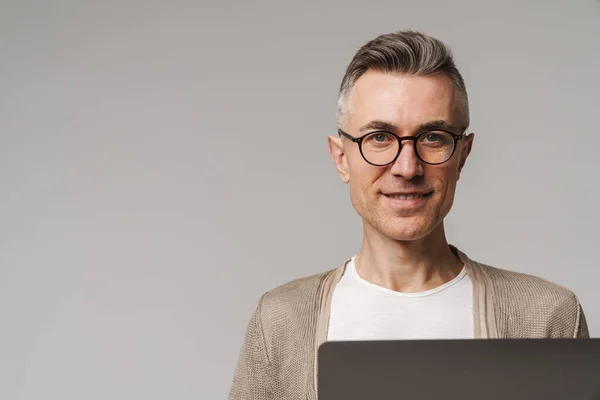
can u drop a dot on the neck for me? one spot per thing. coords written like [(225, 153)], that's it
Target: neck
[(407, 266)]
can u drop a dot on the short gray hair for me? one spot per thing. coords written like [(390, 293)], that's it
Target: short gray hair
[(406, 52)]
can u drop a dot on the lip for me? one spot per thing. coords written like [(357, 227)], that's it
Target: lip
[(407, 203), (408, 192)]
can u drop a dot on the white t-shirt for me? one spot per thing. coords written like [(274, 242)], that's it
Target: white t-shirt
[(361, 310)]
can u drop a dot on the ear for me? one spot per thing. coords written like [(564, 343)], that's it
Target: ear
[(466, 150), (336, 151)]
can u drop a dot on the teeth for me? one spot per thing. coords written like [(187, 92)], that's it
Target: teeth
[(406, 196)]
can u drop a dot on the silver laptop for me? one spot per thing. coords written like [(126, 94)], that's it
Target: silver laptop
[(515, 369)]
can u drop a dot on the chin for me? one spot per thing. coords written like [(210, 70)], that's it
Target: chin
[(402, 225), (406, 229), (405, 235)]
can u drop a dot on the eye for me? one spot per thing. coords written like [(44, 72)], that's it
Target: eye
[(380, 138), (435, 138)]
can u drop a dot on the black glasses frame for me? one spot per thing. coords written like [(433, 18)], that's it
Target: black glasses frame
[(413, 139)]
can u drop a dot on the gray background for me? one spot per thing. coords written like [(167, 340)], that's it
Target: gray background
[(163, 164)]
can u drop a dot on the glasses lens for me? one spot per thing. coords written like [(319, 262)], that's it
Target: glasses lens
[(435, 147), (380, 148)]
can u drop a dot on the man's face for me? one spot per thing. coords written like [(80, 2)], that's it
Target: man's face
[(382, 196)]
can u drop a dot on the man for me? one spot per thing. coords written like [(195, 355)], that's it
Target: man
[(401, 146)]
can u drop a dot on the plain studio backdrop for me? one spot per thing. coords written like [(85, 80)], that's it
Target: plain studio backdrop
[(164, 163)]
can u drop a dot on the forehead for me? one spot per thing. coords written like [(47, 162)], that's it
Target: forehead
[(406, 101)]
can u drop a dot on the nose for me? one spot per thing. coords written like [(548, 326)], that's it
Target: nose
[(407, 164)]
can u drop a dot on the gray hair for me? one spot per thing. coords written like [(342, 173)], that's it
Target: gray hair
[(407, 52)]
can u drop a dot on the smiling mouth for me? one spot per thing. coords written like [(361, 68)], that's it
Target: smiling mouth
[(408, 196)]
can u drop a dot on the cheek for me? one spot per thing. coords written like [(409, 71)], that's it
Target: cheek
[(362, 183), (444, 181), (359, 190)]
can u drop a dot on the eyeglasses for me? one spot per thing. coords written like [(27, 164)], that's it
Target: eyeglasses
[(381, 148)]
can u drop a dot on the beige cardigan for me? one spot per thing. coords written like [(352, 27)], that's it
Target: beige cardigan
[(277, 359)]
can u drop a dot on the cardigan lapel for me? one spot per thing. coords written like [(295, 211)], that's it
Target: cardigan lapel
[(324, 310), (483, 299)]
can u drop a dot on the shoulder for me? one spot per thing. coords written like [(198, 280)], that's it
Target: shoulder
[(288, 316), (530, 306), (513, 285), (292, 305), (293, 295)]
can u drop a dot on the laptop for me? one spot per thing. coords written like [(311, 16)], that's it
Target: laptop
[(481, 369)]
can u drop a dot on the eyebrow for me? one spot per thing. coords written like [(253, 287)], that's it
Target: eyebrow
[(388, 126)]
